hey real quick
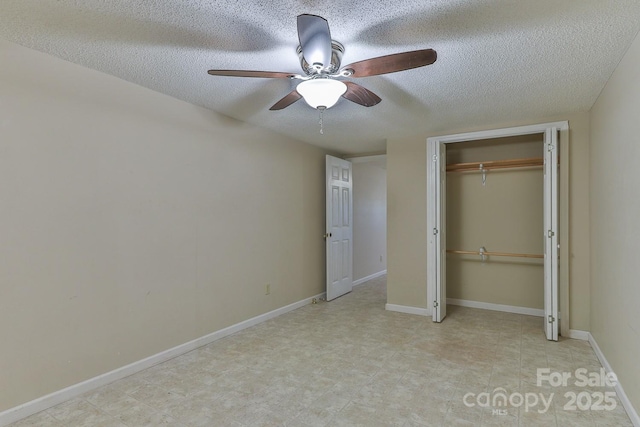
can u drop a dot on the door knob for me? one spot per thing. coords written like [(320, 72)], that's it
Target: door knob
[(327, 235)]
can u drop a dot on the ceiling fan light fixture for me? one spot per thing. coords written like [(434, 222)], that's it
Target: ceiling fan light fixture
[(321, 92)]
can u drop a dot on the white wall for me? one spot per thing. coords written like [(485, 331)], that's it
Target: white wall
[(369, 218), (131, 222), (614, 226)]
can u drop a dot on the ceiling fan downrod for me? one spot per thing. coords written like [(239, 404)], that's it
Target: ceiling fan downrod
[(321, 110)]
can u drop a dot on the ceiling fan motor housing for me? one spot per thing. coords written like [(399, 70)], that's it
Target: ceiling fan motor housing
[(337, 50)]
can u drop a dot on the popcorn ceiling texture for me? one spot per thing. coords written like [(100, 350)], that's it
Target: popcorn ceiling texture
[(498, 60)]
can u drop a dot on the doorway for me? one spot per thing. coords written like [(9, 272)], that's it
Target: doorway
[(356, 217), (369, 217)]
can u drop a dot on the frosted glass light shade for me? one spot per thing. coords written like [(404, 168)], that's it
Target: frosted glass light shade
[(321, 92)]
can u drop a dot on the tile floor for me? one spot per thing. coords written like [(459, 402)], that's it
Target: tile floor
[(351, 363)]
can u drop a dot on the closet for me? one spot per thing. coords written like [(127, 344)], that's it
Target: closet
[(493, 221)]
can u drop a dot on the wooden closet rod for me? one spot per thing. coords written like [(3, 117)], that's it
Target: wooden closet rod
[(495, 164), (506, 254)]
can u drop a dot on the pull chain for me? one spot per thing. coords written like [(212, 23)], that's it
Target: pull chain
[(321, 110)]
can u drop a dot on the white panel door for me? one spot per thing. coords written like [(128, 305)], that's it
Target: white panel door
[(436, 262), (551, 233), (339, 234)]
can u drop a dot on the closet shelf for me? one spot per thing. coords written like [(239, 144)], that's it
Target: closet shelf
[(495, 164), (486, 253)]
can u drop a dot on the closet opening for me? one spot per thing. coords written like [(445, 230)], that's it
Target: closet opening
[(494, 221), (495, 246)]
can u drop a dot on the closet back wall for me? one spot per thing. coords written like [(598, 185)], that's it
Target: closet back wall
[(504, 215)]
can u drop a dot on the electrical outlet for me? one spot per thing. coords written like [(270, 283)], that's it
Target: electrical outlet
[(267, 289)]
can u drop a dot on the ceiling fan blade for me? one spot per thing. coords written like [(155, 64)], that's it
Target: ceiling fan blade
[(292, 97), (391, 63), (243, 73), (360, 95), (315, 40)]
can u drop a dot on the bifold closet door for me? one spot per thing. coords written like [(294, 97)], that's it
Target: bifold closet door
[(551, 233), (436, 262)]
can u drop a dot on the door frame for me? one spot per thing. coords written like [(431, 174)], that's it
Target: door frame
[(432, 202)]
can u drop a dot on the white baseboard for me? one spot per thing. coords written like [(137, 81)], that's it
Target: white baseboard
[(408, 309), (497, 307), (624, 399), (33, 407), (578, 335), (369, 277)]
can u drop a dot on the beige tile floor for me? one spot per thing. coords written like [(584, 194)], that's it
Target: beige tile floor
[(351, 363)]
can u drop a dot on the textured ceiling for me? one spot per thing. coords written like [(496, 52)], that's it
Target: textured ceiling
[(498, 60)]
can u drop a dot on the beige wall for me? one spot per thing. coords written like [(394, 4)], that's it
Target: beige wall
[(131, 222), (406, 222), (407, 234), (504, 215), (369, 218), (615, 227)]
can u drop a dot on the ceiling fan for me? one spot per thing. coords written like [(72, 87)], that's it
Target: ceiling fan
[(320, 58)]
